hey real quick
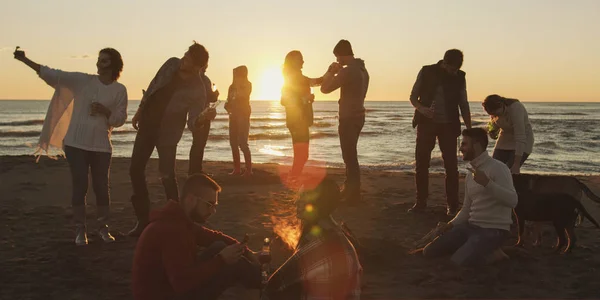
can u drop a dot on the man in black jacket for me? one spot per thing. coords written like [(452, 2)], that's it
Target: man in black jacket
[(438, 93)]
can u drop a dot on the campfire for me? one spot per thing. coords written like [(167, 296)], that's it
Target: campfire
[(288, 230)]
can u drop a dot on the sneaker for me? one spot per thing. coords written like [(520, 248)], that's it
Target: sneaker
[(105, 235), (81, 236), (418, 208)]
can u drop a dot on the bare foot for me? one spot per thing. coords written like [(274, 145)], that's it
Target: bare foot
[(247, 173), (235, 172)]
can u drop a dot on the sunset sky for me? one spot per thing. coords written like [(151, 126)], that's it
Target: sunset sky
[(533, 50)]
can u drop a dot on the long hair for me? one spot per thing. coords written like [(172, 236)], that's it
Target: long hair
[(116, 62), (494, 102), (290, 65)]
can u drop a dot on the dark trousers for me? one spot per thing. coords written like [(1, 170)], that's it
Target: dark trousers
[(446, 135), (239, 131), (349, 131), (508, 156), (300, 141), (144, 145), (200, 138), (241, 272), (80, 163)]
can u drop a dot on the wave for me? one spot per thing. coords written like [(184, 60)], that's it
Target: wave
[(281, 125), (558, 114), (19, 133), (22, 123), (547, 145), (36, 133)]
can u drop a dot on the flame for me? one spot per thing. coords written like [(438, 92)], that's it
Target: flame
[(288, 229)]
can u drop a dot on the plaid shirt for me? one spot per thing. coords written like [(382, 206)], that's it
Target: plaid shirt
[(322, 268)]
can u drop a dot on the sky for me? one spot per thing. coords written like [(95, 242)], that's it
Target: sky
[(532, 50)]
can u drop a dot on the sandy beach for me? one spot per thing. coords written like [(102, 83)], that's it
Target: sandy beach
[(39, 260)]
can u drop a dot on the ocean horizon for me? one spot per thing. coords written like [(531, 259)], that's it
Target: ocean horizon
[(567, 140)]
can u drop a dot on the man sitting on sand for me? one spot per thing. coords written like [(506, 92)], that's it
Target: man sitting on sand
[(483, 223), (165, 264), (325, 264)]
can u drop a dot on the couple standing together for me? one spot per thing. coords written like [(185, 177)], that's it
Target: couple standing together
[(348, 74)]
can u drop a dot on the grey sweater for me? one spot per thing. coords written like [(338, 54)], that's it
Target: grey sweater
[(353, 82)]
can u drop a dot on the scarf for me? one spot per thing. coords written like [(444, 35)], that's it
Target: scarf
[(56, 123)]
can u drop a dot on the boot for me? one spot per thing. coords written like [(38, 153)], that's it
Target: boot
[(80, 228), (103, 232), (141, 207)]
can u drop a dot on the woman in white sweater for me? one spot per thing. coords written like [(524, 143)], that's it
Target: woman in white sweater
[(509, 123), (84, 110)]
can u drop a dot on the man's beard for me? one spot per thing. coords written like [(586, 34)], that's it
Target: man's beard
[(468, 155), (198, 219)]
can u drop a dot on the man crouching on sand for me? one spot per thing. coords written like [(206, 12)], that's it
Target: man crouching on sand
[(165, 264), (483, 223), (325, 264)]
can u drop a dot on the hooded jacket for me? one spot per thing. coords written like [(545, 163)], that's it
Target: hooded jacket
[(164, 264)]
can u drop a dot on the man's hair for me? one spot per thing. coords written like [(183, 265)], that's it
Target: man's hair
[(343, 48), (327, 197), (194, 184), (116, 62), (199, 54), (454, 57), (477, 135)]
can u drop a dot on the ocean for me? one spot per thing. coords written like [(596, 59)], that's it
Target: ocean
[(567, 139)]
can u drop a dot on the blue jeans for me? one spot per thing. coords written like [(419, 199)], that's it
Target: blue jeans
[(508, 156), (469, 244), (80, 162)]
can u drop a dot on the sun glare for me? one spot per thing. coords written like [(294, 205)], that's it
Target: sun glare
[(270, 84)]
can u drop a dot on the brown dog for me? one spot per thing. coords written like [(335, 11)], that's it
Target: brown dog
[(552, 184)]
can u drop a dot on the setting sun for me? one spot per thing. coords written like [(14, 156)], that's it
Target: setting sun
[(269, 86)]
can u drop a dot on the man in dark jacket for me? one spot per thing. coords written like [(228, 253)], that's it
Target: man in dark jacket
[(166, 265), (438, 93), (350, 75), (200, 135)]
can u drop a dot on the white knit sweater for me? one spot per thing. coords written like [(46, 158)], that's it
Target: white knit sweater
[(88, 132), (490, 206)]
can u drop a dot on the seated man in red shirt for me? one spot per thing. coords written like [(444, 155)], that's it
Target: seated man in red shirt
[(166, 264), (325, 265)]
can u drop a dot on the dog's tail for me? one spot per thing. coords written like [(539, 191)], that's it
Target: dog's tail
[(585, 213), (588, 192)]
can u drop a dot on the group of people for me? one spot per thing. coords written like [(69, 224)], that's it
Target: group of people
[(85, 108)]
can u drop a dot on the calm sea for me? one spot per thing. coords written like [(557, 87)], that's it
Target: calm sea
[(567, 135)]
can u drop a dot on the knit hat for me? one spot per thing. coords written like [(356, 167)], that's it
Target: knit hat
[(343, 48)]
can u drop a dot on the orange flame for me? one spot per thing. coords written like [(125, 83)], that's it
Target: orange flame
[(288, 229)]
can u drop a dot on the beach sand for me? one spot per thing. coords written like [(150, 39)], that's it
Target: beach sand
[(38, 258)]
